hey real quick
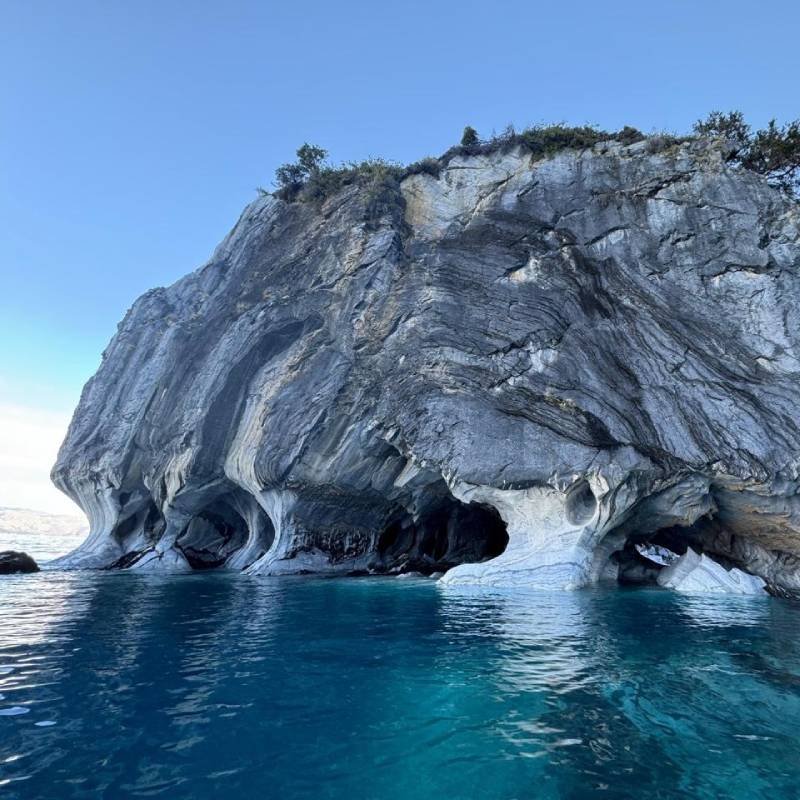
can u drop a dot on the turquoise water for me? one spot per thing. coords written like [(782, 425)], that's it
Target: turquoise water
[(220, 685)]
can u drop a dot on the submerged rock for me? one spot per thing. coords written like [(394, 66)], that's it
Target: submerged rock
[(407, 575), (695, 573), (12, 562), (508, 373)]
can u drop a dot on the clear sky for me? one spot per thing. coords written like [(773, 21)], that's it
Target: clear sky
[(132, 133)]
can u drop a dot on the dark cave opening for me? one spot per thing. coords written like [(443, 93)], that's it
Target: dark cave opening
[(229, 529), (146, 517), (139, 529), (640, 555), (213, 535), (445, 535)]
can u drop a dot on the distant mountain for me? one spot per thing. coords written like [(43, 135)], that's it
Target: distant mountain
[(39, 533)]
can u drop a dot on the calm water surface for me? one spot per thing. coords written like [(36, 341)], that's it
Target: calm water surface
[(219, 685)]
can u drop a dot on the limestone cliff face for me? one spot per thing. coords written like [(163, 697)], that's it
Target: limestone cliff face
[(528, 369)]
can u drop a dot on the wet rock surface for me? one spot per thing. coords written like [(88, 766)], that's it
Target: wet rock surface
[(524, 368), (13, 562)]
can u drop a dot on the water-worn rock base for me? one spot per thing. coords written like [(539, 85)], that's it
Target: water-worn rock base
[(522, 371)]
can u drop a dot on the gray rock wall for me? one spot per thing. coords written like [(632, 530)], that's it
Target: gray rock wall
[(546, 358)]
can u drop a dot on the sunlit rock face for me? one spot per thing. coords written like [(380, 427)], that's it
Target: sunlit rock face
[(694, 573), (520, 374)]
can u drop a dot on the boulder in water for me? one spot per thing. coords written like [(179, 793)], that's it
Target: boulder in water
[(12, 562)]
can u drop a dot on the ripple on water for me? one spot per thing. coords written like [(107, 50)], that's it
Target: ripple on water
[(224, 685), (13, 711)]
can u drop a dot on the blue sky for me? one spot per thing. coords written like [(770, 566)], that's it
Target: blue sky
[(132, 133)]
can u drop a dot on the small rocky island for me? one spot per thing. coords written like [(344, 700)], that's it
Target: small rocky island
[(515, 365)]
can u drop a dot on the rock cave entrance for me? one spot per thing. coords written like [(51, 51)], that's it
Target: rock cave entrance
[(213, 535), (446, 534), (640, 555), (145, 518)]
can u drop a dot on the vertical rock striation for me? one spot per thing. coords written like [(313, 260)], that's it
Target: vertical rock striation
[(519, 374)]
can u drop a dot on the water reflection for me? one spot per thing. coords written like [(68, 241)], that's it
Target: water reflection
[(207, 685), (708, 611), (540, 637)]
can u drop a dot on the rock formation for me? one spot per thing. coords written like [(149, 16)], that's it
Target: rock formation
[(13, 562), (517, 373), (693, 572)]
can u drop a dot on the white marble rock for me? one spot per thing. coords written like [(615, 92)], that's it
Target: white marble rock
[(694, 573), (563, 352)]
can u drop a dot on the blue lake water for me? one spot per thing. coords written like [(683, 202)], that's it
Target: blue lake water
[(219, 685)]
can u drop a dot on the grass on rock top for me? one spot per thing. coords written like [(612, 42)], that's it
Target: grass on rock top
[(773, 152)]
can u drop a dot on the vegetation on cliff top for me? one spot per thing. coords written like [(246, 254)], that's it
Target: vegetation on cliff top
[(773, 152)]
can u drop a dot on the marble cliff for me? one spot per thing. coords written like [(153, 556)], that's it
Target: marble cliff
[(530, 371)]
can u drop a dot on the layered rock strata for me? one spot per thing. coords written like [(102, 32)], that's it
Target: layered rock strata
[(518, 373)]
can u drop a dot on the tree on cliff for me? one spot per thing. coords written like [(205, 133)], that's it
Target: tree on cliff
[(773, 151), (470, 137), (310, 159)]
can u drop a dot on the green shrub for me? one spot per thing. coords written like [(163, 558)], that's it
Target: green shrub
[(470, 137), (629, 135), (425, 166), (550, 139), (775, 152), (378, 180), (382, 195), (310, 158), (290, 178), (730, 127), (772, 151)]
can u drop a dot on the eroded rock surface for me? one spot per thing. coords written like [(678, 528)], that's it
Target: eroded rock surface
[(523, 369), (695, 573)]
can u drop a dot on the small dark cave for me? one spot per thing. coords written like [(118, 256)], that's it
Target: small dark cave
[(643, 554), (213, 535), (144, 517), (447, 534)]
